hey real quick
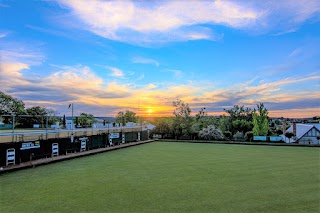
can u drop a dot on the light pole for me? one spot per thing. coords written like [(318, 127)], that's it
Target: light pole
[(72, 116), (71, 105)]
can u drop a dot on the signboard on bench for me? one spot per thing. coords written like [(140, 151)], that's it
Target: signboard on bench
[(114, 135), (30, 145)]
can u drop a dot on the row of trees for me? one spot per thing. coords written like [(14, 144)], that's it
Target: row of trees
[(127, 116), (84, 120), (26, 117), (240, 122)]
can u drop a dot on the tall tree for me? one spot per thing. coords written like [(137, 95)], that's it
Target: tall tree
[(240, 119), (202, 120), (240, 112), (9, 106), (77, 121), (64, 121), (127, 116), (120, 118), (163, 126), (260, 120), (225, 123), (35, 115), (86, 120), (182, 120), (51, 116)]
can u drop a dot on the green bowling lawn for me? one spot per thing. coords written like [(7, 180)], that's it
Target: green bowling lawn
[(171, 177)]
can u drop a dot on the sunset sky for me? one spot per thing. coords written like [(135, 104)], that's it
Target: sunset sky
[(107, 56)]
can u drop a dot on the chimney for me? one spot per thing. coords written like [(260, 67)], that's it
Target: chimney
[(294, 128)]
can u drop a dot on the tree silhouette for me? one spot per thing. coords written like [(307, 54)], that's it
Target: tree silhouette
[(289, 135)]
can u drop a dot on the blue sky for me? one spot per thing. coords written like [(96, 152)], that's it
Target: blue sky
[(106, 56)]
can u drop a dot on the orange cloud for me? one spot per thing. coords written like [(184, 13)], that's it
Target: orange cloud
[(80, 85)]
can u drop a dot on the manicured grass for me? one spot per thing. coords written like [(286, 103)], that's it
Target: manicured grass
[(171, 177)]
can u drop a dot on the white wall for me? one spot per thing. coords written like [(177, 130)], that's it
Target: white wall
[(308, 140)]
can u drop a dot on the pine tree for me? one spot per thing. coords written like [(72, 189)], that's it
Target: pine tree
[(64, 121)]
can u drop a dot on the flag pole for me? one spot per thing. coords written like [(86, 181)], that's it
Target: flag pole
[(72, 116)]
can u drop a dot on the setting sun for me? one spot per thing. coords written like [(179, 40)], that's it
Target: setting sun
[(149, 111)]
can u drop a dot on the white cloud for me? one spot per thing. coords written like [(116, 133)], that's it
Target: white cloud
[(295, 52), (11, 73), (140, 77), (247, 92), (301, 10), (12, 69), (81, 82), (4, 34), (159, 21), (115, 72), (81, 85), (74, 76), (20, 53), (285, 16), (151, 86), (177, 73), (15, 59), (141, 60), (145, 22)]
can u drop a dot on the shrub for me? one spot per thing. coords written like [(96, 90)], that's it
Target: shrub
[(248, 136), (289, 135), (279, 132), (238, 136), (211, 133), (227, 134)]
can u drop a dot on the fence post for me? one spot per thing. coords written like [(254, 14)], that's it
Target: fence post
[(13, 121), (46, 127)]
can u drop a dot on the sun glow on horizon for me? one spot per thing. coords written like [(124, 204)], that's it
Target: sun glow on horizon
[(149, 111)]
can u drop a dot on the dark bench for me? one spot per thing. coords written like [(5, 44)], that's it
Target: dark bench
[(71, 150)]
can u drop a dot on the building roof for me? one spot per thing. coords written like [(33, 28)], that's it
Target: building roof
[(151, 126), (302, 129)]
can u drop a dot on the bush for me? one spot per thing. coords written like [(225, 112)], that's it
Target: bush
[(238, 136), (248, 136), (279, 132), (211, 133), (227, 135)]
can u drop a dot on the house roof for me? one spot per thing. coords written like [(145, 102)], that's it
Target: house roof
[(302, 129), (151, 126)]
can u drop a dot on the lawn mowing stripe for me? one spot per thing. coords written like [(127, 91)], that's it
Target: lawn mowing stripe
[(171, 177)]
